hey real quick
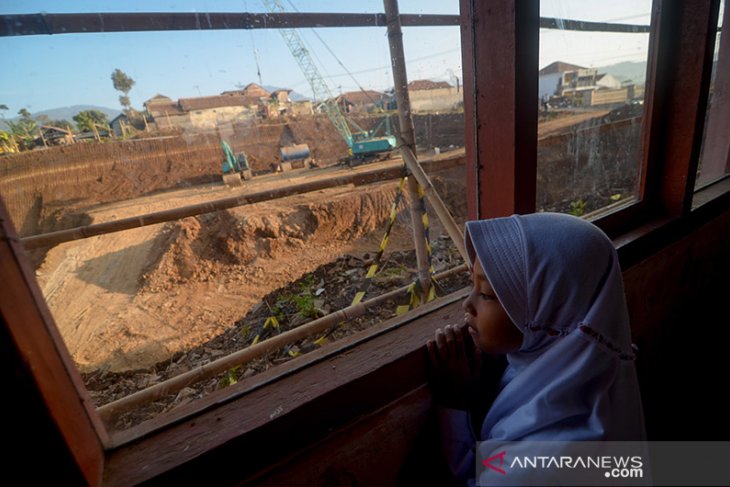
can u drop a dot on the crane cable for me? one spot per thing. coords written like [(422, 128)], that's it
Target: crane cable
[(336, 58)]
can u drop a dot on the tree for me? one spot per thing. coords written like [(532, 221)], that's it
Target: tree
[(123, 83), (85, 120), (23, 129)]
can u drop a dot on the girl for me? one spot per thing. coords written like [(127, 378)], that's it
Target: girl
[(547, 294)]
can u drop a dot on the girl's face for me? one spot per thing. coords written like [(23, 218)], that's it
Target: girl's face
[(489, 325)]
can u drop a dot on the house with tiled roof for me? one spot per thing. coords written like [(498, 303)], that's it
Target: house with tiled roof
[(576, 86), (550, 78), (362, 101), (208, 112), (165, 112), (434, 96)]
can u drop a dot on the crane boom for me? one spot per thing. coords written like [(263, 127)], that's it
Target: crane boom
[(320, 89)]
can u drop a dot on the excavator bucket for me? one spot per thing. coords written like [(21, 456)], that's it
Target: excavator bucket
[(232, 179)]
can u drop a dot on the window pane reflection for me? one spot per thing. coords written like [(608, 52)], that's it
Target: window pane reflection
[(591, 92), (714, 162)]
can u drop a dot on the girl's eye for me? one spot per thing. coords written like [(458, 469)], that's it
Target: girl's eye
[(485, 296)]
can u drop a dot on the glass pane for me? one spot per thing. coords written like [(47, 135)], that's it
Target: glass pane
[(102, 127), (714, 161), (591, 92)]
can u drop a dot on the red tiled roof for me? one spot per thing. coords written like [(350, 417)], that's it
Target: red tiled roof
[(161, 106), (159, 97), (362, 97), (252, 89), (206, 102), (559, 67)]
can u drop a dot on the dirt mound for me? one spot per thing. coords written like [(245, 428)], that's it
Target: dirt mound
[(199, 249), (130, 299), (327, 288)]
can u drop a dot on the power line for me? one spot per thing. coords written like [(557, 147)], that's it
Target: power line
[(336, 59)]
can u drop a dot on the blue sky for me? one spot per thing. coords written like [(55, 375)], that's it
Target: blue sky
[(42, 72)]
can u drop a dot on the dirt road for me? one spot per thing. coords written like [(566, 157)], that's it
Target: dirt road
[(561, 123)]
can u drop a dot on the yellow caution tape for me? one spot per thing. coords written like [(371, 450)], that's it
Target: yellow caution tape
[(373, 269)]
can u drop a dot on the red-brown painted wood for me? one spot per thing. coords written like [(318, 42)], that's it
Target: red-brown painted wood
[(680, 61), (501, 125), (45, 360), (50, 23)]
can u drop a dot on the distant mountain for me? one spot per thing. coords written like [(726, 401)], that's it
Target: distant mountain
[(67, 113), (627, 71), (293, 96)]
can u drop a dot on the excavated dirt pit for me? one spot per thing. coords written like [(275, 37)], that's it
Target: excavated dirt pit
[(143, 305), (328, 288)]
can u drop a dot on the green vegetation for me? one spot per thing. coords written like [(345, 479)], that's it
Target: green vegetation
[(23, 130), (304, 300), (123, 83), (578, 207), (230, 378), (7, 142), (86, 120)]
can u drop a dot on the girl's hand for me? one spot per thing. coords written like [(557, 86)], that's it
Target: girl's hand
[(455, 367)]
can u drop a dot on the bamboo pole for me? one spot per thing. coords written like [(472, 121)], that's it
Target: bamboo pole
[(400, 79), (436, 202), (408, 136), (43, 138), (77, 233), (175, 384)]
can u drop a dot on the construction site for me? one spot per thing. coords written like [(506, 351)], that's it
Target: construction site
[(140, 306), (238, 232), (240, 287)]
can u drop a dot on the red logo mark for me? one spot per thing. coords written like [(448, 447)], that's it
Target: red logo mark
[(488, 462)]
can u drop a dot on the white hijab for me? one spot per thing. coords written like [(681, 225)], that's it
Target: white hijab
[(573, 378)]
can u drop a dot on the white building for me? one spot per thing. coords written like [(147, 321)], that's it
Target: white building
[(551, 76)]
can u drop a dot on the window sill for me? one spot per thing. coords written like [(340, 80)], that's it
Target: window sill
[(707, 194), (638, 243)]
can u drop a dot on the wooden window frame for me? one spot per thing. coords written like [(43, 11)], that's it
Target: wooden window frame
[(501, 120), (350, 381)]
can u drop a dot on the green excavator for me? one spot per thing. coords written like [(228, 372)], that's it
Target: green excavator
[(235, 169)]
